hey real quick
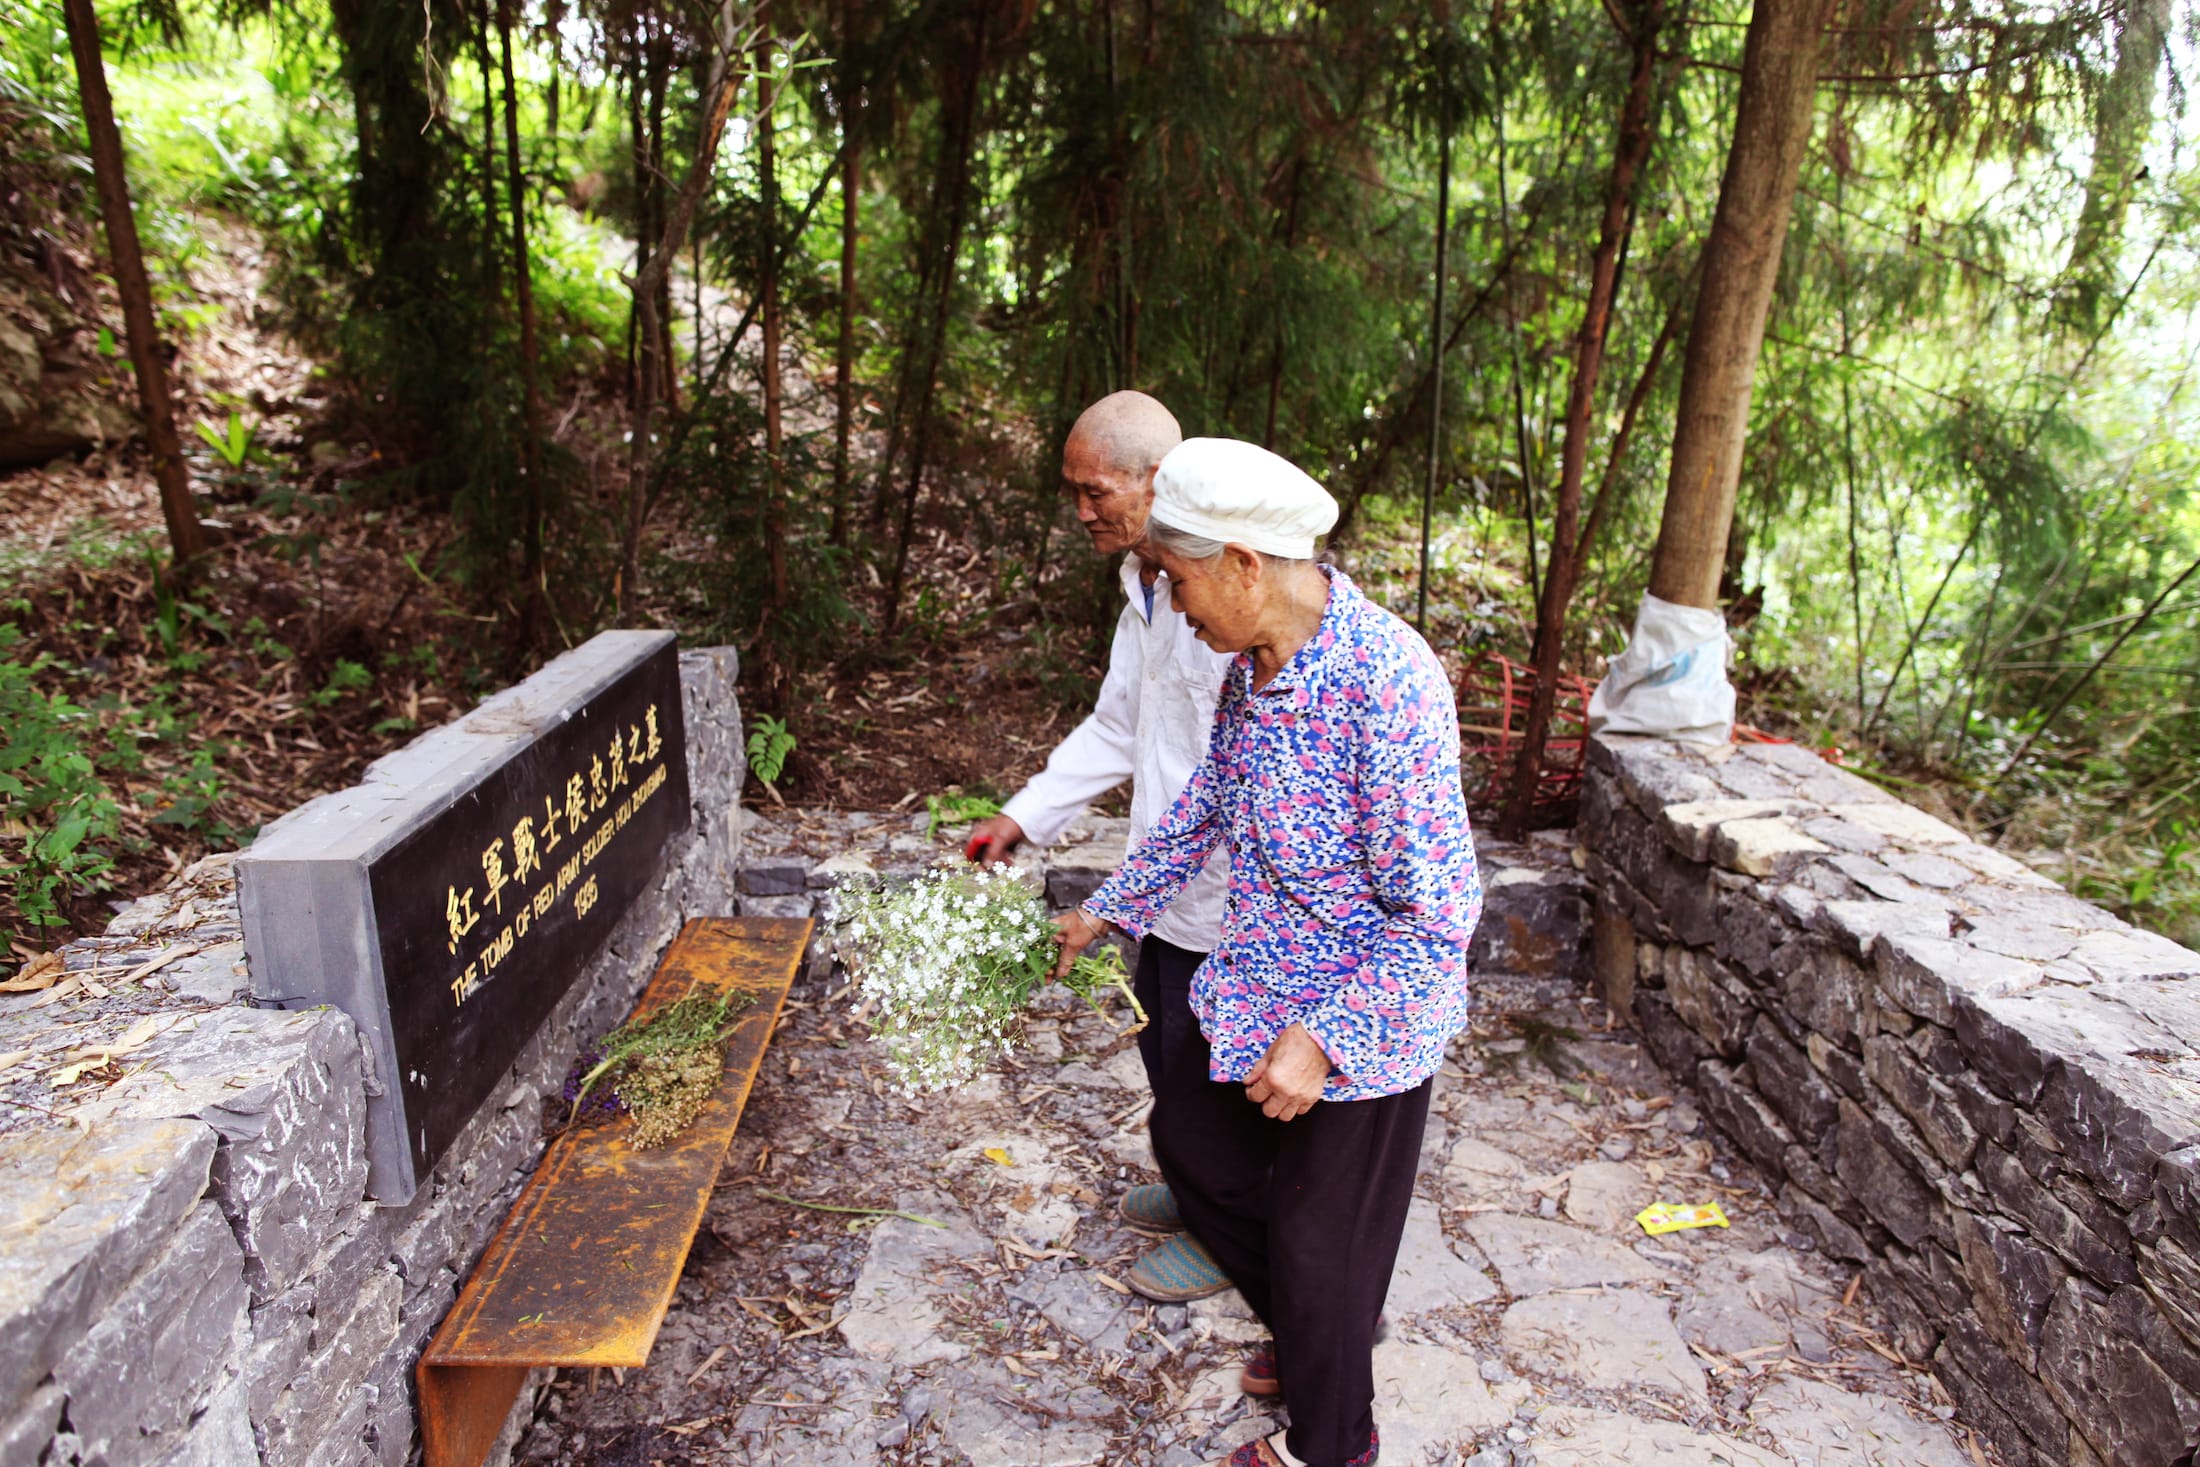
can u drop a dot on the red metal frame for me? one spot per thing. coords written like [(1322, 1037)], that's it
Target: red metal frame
[(1494, 693)]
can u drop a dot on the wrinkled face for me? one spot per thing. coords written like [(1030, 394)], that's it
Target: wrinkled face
[(1111, 502), (1221, 598)]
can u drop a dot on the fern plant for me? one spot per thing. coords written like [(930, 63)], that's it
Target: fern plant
[(769, 744)]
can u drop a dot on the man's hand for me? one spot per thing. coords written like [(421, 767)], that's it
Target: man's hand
[(1288, 1080), (993, 840), (1076, 929)]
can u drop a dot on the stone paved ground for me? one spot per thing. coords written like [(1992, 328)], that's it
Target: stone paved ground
[(1532, 1320)]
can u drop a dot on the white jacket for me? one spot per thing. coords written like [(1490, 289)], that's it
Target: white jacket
[(1156, 709)]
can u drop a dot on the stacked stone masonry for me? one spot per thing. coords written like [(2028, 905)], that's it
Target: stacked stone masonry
[(1980, 1090), (191, 1273)]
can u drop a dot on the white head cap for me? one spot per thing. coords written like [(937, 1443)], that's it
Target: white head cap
[(1242, 494)]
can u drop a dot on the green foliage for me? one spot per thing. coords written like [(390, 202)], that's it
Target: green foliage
[(186, 797), (53, 805), (719, 466), (957, 808), (2163, 892), (345, 677), (235, 445), (173, 616), (769, 744), (1960, 489)]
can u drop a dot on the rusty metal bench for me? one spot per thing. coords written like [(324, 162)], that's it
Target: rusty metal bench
[(584, 1267)]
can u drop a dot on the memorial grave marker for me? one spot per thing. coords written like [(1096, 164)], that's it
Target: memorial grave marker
[(447, 901)]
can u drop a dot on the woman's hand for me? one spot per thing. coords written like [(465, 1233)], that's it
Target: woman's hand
[(993, 840), (1288, 1080), (1076, 929)]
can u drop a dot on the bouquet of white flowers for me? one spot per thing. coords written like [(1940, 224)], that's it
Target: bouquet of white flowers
[(948, 962)]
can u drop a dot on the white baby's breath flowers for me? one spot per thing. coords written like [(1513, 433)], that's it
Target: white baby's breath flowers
[(945, 965)]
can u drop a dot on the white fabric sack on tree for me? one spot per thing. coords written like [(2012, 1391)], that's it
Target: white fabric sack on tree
[(1671, 681)]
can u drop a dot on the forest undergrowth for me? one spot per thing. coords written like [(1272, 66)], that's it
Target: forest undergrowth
[(491, 327), (333, 622)]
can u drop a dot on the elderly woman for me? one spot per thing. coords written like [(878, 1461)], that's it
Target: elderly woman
[(1332, 773)]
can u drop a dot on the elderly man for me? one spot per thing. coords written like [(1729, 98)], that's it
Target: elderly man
[(1156, 707)]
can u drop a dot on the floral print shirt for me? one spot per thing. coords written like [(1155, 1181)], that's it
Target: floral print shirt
[(1353, 888)]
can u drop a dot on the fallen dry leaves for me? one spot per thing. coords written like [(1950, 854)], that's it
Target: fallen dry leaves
[(43, 971)]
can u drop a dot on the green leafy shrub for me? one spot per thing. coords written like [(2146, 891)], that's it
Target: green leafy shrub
[(53, 805), (344, 678), (187, 796)]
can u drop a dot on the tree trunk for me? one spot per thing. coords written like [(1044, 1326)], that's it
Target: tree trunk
[(767, 169), (678, 435), (1741, 264), (1564, 567), (1512, 343), (523, 290), (1435, 352), (394, 192), (2121, 124), (716, 103), (644, 231), (490, 230), (1275, 346), (397, 206), (1600, 508), (176, 504), (851, 198), (1119, 254), (553, 27), (951, 191), (660, 78)]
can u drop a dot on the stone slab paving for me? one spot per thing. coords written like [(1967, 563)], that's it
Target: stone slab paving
[(1532, 1321)]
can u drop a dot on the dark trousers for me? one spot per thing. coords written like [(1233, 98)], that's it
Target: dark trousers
[(1303, 1215)]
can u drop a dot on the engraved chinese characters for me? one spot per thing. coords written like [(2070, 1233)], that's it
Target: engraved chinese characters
[(447, 902), (575, 818)]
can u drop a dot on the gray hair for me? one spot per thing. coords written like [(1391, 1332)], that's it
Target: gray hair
[(1199, 549)]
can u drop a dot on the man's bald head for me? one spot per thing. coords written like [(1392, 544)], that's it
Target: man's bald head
[(1108, 464), (1128, 431)]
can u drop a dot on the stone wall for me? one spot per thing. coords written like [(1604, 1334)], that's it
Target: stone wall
[(190, 1273), (1979, 1089)]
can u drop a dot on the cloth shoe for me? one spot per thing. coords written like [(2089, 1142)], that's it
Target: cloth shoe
[(1152, 1208), (1177, 1272), (1270, 1452), (1259, 1377)]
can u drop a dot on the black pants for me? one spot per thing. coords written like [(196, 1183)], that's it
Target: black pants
[(1303, 1215)]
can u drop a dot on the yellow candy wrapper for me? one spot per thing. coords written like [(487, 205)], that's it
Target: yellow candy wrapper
[(1665, 1217)]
